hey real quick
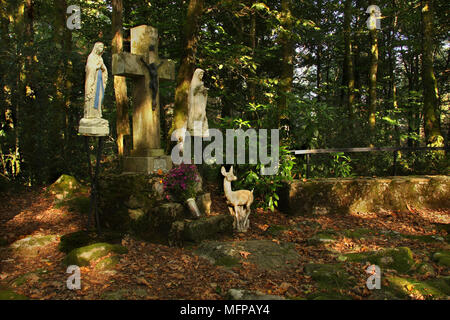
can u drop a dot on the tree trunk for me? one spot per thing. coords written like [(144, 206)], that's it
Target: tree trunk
[(120, 85), (187, 66), (350, 75), (373, 81), (287, 65), (431, 116)]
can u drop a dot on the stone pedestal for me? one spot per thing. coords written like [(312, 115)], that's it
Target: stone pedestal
[(96, 127)]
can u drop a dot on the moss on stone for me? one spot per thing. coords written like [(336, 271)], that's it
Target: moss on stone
[(400, 259), (108, 263), (425, 269), (80, 204), (408, 287), (322, 238), (65, 187), (359, 233), (424, 238), (11, 295), (29, 276), (442, 258), (329, 276), (227, 261), (84, 255), (29, 245), (322, 196), (71, 241), (276, 230), (327, 296), (207, 228)]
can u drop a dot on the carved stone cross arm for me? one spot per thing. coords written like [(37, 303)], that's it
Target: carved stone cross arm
[(130, 65)]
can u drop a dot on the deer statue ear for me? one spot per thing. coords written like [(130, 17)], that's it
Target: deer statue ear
[(223, 171), (231, 170)]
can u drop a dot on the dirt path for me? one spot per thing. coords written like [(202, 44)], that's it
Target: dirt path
[(151, 271)]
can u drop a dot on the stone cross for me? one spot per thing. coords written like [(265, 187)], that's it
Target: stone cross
[(147, 155)]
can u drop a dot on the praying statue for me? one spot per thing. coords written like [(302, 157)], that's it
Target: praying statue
[(92, 124), (197, 122)]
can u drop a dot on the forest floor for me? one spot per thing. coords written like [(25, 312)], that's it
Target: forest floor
[(154, 271)]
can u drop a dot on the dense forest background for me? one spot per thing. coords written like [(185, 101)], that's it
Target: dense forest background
[(310, 68)]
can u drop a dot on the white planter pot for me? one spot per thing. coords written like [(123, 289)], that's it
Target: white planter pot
[(192, 205)]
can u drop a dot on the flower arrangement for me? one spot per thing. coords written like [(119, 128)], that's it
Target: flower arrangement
[(181, 182)]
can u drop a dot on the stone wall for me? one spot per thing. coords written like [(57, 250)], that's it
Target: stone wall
[(346, 195), (137, 204)]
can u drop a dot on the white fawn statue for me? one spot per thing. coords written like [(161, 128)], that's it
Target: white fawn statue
[(240, 200)]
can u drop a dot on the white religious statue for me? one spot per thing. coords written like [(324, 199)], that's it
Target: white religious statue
[(197, 122), (92, 124)]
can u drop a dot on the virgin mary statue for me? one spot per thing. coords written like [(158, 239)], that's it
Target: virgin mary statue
[(92, 124), (197, 122)]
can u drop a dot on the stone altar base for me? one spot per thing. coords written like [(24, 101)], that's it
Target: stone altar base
[(136, 204), (152, 161)]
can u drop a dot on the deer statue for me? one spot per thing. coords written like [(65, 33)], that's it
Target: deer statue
[(240, 200)]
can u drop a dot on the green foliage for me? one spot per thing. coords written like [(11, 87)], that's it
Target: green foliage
[(241, 49), (266, 187)]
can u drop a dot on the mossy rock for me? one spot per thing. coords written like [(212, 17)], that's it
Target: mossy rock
[(407, 287), (310, 224), (276, 230), (425, 269), (329, 276), (65, 187), (122, 192), (359, 233), (265, 254), (80, 204), (29, 246), (29, 276), (400, 259), (108, 263), (227, 261), (78, 239), (201, 229), (442, 258), (327, 296), (424, 238), (323, 237), (11, 295), (239, 294), (84, 255), (114, 295)]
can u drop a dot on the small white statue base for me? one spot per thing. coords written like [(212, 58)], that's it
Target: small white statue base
[(239, 202), (92, 124)]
